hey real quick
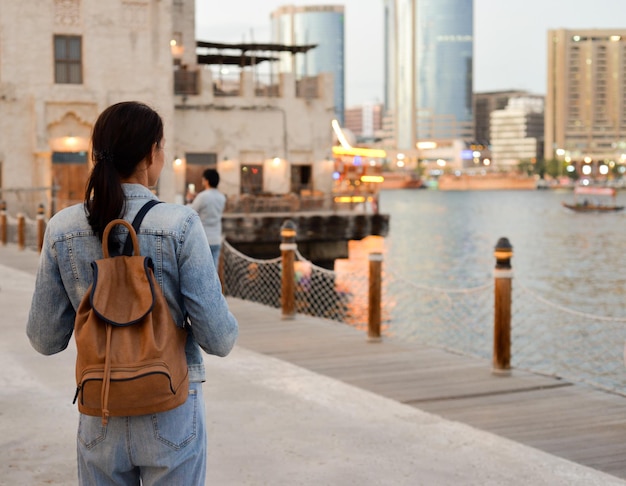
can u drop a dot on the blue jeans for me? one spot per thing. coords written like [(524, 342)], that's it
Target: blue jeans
[(215, 251), (162, 449)]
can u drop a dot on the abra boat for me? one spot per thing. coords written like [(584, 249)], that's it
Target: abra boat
[(589, 199)]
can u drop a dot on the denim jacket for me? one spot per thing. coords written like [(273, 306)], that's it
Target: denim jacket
[(173, 236)]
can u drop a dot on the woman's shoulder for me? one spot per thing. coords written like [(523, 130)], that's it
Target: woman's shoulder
[(174, 209), (171, 216), (72, 218)]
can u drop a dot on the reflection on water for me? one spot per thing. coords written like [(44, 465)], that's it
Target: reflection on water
[(446, 239)]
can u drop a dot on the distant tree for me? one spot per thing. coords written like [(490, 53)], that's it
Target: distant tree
[(555, 167), (540, 168), (573, 175), (526, 166), (616, 171)]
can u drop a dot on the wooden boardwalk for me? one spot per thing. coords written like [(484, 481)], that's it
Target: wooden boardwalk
[(576, 422)]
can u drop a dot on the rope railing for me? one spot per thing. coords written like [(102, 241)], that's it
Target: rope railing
[(249, 278), (318, 291), (502, 320), (455, 319), (550, 338)]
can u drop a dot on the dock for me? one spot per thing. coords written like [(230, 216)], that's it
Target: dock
[(311, 401), (576, 422)]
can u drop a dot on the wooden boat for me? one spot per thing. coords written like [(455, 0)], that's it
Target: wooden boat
[(588, 199)]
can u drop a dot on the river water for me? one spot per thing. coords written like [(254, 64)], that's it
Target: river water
[(569, 278), (447, 238)]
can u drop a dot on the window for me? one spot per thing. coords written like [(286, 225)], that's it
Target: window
[(196, 164), (68, 63), (207, 160), (251, 179), (69, 157), (300, 178), (186, 82)]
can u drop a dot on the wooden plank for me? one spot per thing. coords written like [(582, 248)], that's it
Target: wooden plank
[(573, 421)]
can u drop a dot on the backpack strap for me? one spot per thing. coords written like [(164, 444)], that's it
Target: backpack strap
[(128, 245)]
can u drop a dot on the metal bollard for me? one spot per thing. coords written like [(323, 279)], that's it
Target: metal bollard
[(41, 226), (503, 275), (21, 231), (288, 281), (3, 223), (375, 291)]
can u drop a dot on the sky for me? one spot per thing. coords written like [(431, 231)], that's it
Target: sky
[(509, 37)]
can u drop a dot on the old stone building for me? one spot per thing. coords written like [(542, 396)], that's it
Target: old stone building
[(63, 61)]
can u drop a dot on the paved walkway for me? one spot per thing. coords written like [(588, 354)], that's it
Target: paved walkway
[(270, 422)]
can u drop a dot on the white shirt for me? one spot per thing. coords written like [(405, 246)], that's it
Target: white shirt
[(210, 205)]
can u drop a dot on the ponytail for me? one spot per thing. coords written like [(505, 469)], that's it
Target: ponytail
[(123, 136), (104, 197)]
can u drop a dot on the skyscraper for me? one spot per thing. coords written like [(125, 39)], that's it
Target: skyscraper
[(317, 24), (585, 115), (428, 69)]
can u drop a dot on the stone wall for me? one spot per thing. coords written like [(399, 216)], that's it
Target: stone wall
[(321, 237)]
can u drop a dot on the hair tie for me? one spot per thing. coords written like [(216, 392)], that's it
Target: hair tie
[(105, 156)]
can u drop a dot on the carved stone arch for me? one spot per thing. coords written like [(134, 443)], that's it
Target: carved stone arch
[(68, 131), (69, 126)]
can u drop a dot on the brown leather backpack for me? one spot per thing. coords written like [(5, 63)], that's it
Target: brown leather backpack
[(131, 354)]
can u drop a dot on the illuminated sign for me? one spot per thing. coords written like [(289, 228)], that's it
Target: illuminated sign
[(362, 152)]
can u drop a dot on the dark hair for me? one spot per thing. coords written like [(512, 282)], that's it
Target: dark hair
[(212, 176), (122, 137)]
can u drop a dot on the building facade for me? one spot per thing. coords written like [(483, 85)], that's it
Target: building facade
[(428, 70), (365, 121), (517, 132), (322, 25), (486, 103), (84, 55), (585, 116), (60, 66)]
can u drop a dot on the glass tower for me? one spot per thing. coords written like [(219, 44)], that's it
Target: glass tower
[(429, 52), (322, 25)]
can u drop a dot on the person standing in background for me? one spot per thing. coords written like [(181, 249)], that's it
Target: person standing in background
[(209, 204)]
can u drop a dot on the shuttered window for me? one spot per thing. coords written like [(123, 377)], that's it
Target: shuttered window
[(68, 59)]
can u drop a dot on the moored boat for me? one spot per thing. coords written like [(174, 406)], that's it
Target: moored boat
[(589, 199)]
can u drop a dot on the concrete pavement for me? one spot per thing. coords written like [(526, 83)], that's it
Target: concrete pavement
[(270, 423)]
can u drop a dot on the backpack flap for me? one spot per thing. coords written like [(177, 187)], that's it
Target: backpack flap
[(118, 294)]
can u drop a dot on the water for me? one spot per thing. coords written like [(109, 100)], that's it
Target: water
[(569, 310), (447, 238)]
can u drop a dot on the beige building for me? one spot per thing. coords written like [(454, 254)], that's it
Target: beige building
[(64, 61), (365, 121), (486, 103), (516, 132), (585, 115)]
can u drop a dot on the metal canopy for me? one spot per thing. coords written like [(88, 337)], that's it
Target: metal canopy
[(247, 47), (243, 60)]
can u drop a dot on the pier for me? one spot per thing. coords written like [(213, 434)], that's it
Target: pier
[(583, 425), (576, 422)]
